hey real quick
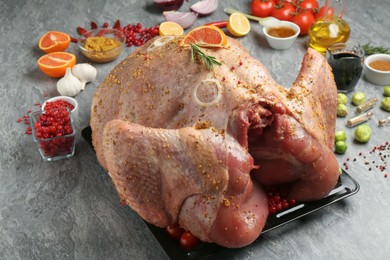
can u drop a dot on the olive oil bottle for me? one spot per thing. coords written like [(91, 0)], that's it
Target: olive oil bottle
[(327, 31), (330, 28)]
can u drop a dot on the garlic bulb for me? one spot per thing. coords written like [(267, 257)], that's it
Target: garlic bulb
[(85, 73), (69, 85)]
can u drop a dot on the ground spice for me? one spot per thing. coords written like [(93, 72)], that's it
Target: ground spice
[(102, 49), (101, 44)]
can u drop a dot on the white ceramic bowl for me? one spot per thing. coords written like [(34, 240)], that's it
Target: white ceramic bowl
[(70, 100), (377, 77), (279, 43)]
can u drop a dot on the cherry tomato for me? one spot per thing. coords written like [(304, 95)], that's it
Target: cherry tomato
[(304, 21), (188, 240), (174, 231), (289, 1), (284, 11), (262, 8), (321, 12), (308, 6)]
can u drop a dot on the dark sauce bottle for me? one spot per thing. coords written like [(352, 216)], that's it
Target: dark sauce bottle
[(347, 69)]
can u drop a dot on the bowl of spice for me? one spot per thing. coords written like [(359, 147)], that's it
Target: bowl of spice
[(281, 35), (102, 45), (377, 69)]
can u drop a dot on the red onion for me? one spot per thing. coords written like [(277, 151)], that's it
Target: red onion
[(185, 19), (205, 7), (168, 5)]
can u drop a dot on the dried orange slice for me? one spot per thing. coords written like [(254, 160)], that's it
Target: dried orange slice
[(170, 28), (206, 36), (53, 41), (238, 25), (54, 64)]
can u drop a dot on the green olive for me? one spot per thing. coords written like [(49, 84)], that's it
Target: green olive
[(358, 98), (340, 136), (342, 98), (385, 104), (363, 133), (340, 147), (342, 110), (386, 91)]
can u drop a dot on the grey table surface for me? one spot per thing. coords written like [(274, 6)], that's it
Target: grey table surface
[(69, 209)]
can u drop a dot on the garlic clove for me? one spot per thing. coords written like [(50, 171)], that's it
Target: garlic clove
[(69, 85), (85, 73), (83, 84)]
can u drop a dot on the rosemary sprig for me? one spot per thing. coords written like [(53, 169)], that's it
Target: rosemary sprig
[(209, 61), (370, 49)]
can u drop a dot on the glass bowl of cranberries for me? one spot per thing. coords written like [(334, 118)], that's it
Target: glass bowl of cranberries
[(54, 132)]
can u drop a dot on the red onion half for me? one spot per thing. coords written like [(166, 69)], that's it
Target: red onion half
[(185, 19), (168, 5), (205, 7)]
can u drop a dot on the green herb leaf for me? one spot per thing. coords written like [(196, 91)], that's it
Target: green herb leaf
[(209, 61), (370, 49)]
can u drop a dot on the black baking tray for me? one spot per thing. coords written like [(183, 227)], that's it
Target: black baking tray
[(346, 186)]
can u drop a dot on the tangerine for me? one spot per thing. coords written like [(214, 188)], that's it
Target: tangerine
[(54, 64), (53, 41)]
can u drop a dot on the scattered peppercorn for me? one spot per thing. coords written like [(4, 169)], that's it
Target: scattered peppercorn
[(377, 158)]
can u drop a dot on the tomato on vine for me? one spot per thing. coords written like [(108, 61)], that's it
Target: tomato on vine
[(284, 11), (307, 6), (321, 12), (304, 21), (262, 8)]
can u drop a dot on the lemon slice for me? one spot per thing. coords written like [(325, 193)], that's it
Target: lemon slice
[(238, 25), (170, 29)]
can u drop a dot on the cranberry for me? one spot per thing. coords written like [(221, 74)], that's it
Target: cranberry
[(137, 35), (58, 104), (277, 200)]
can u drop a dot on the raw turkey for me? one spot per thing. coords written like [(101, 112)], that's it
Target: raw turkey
[(196, 146)]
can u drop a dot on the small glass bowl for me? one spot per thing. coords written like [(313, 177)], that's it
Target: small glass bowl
[(54, 148), (104, 55)]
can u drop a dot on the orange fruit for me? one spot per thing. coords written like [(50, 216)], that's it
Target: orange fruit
[(54, 64), (170, 28), (53, 41), (238, 25), (206, 36)]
